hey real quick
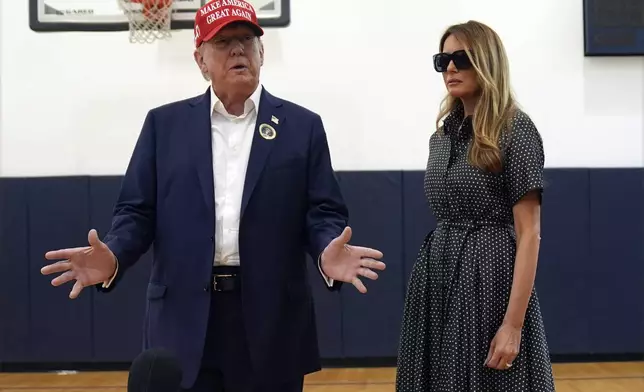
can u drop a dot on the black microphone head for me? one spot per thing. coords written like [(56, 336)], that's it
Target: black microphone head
[(155, 370)]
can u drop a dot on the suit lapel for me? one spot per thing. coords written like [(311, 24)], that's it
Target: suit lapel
[(202, 148), (269, 108)]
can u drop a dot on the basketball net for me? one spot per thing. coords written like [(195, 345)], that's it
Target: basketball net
[(149, 20)]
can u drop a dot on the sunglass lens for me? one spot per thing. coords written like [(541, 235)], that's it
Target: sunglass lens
[(461, 61), (441, 61)]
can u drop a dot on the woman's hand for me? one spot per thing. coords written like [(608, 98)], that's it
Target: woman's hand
[(504, 347)]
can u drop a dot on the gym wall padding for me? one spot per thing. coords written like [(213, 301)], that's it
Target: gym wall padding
[(590, 278)]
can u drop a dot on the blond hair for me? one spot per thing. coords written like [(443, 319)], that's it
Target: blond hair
[(496, 104)]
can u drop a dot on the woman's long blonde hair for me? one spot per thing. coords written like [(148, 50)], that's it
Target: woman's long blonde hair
[(496, 104)]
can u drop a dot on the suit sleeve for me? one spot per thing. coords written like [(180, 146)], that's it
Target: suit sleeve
[(327, 213), (133, 222)]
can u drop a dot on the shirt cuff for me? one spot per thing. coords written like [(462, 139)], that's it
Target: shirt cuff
[(109, 282), (329, 281)]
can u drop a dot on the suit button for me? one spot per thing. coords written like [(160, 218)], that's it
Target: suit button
[(212, 239)]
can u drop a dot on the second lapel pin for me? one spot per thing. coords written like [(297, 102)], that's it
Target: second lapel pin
[(267, 132)]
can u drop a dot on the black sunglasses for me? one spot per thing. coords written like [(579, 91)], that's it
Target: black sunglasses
[(460, 59)]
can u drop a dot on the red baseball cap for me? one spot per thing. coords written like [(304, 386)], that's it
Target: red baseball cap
[(217, 14)]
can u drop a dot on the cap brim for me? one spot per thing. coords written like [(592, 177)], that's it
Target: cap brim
[(258, 30)]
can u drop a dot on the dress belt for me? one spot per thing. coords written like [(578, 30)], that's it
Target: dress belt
[(471, 224), (469, 227)]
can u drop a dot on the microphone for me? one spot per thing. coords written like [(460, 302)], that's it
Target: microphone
[(155, 370)]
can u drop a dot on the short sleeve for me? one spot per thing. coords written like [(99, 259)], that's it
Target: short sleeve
[(524, 159)]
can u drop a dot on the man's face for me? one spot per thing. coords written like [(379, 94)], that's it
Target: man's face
[(232, 59)]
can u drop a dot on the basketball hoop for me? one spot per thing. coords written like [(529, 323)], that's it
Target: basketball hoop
[(149, 20)]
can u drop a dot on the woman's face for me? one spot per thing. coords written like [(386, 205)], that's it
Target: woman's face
[(461, 83)]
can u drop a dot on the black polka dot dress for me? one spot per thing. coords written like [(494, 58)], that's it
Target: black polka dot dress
[(460, 284)]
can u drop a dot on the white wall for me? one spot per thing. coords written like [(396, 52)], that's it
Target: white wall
[(73, 103)]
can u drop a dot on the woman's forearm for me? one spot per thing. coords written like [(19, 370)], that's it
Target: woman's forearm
[(525, 270)]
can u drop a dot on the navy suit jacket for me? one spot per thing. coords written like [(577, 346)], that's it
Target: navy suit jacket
[(291, 205)]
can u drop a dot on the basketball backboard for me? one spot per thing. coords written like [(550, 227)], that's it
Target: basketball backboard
[(106, 15)]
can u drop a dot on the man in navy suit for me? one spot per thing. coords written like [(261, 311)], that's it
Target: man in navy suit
[(231, 187)]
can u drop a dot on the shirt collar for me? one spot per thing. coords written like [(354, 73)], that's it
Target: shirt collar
[(456, 123), (455, 118), (251, 103)]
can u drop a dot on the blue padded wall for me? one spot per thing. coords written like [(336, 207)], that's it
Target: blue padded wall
[(58, 216), (15, 339), (565, 248), (590, 278), (616, 274), (371, 322)]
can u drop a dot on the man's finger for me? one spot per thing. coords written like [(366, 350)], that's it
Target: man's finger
[(367, 273), (367, 252), (55, 268), (63, 253), (344, 237), (373, 264), (359, 285), (64, 278), (93, 240), (76, 290)]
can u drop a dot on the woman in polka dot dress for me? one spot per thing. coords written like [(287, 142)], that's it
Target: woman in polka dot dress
[(472, 320)]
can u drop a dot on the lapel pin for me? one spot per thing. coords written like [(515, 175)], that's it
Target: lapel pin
[(267, 132), (275, 120)]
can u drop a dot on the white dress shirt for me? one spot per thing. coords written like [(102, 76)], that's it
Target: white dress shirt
[(232, 137)]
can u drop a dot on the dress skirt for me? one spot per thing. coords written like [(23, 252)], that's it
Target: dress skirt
[(455, 303)]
